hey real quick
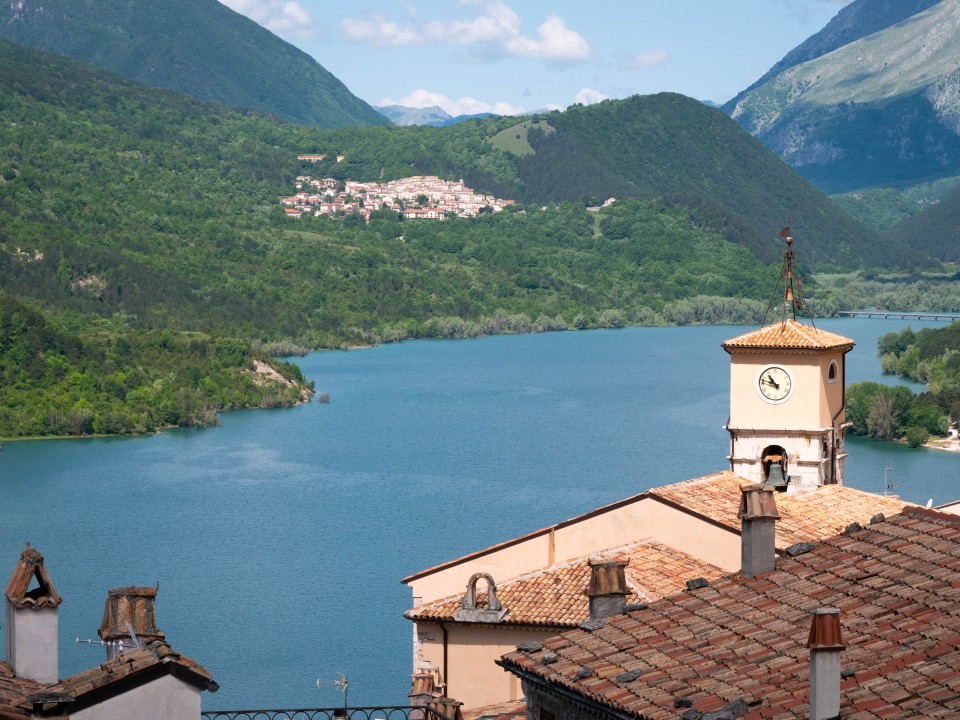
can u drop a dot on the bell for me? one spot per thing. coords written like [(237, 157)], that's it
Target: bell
[(775, 478)]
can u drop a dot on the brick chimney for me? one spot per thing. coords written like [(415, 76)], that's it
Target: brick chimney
[(129, 610), (608, 588), (825, 646), (32, 622), (758, 516)]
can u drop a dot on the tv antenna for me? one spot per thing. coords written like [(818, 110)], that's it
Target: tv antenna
[(341, 683), (120, 645), (887, 485)]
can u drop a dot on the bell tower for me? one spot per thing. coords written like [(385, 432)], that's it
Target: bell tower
[(787, 396)]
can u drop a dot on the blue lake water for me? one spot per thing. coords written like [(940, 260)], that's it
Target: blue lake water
[(279, 540)]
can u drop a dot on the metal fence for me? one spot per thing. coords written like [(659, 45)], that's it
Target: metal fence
[(352, 713)]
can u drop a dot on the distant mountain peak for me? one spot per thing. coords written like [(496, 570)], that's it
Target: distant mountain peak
[(880, 110)]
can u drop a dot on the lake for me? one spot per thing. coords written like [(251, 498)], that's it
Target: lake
[(279, 539)]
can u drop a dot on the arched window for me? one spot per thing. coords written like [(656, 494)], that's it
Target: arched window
[(833, 372)]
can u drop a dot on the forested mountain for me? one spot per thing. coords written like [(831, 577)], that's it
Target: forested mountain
[(199, 47), (935, 231), (657, 146), (136, 222), (878, 109)]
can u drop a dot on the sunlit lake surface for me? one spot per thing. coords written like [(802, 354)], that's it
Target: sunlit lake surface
[(279, 539)]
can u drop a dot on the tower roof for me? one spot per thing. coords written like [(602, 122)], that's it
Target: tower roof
[(788, 335), (18, 590)]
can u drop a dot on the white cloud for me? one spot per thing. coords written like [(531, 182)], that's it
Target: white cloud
[(589, 96), (462, 106), (380, 33), (493, 32), (641, 61), (283, 17), (555, 42)]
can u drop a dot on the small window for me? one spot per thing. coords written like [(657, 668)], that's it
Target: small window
[(833, 372)]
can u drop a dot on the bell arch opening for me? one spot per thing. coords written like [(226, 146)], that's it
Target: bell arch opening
[(774, 462)]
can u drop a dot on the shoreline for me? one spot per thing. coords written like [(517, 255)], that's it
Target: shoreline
[(951, 444)]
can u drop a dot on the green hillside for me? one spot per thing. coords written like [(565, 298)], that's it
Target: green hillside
[(199, 47), (935, 231), (662, 146), (137, 222)]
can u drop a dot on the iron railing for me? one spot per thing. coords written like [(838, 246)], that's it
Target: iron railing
[(352, 713)]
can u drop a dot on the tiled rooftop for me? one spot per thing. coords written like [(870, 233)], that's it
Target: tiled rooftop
[(556, 595), (788, 334), (803, 516), (894, 581), (806, 516), (510, 710), (155, 654), (12, 691)]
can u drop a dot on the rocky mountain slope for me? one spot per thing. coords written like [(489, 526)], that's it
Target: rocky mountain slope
[(198, 47), (882, 110)]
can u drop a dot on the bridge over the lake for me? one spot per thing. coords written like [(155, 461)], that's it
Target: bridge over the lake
[(887, 314)]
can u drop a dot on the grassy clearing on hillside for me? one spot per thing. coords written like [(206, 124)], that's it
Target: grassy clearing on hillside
[(514, 139)]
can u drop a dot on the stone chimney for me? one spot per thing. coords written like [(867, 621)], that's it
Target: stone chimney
[(129, 612), (758, 515), (825, 645), (608, 588), (422, 693), (32, 622)]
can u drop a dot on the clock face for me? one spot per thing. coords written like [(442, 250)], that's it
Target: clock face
[(775, 383)]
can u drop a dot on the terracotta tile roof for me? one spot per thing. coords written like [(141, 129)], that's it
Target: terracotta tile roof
[(155, 656), (510, 710), (788, 334), (12, 691), (30, 567), (556, 596), (803, 516), (717, 497), (895, 583)]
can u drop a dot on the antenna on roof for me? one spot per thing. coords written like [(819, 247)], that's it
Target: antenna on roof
[(341, 683), (789, 288), (118, 644), (887, 485)]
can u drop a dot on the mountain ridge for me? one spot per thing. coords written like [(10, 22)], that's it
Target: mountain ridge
[(199, 47)]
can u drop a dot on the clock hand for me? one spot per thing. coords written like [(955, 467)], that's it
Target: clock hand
[(770, 381)]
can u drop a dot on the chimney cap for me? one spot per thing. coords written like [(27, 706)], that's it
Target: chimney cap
[(130, 607), (607, 576), (825, 630), (18, 590), (757, 502)]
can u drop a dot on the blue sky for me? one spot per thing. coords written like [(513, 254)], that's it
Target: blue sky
[(513, 56)]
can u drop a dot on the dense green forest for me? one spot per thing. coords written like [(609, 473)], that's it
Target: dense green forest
[(128, 212), (198, 47), (929, 356), (110, 381)]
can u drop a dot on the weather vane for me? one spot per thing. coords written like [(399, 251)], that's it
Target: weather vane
[(789, 288)]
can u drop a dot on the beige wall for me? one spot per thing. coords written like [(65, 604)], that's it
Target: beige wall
[(472, 648), (637, 519), (813, 400), (166, 697), (473, 677)]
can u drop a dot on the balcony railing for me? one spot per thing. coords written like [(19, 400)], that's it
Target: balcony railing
[(352, 713)]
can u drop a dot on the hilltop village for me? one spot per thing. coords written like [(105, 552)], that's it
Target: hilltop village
[(418, 198)]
